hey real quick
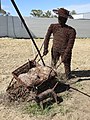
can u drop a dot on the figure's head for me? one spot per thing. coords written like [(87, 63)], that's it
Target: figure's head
[(62, 20), (63, 15)]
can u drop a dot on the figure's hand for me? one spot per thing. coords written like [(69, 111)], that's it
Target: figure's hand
[(45, 52)]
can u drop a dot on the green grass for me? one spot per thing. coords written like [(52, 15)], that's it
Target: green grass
[(34, 109)]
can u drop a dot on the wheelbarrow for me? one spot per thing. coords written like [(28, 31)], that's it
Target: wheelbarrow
[(33, 81)]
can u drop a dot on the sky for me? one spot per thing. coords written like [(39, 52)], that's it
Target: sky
[(25, 6)]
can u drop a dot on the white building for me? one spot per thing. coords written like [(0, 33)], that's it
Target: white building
[(82, 16)]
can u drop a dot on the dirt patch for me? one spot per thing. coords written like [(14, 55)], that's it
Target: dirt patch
[(75, 105)]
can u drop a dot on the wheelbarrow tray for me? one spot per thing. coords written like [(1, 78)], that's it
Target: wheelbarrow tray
[(20, 74)]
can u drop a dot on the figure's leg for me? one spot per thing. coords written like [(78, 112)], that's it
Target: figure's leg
[(67, 66), (54, 57)]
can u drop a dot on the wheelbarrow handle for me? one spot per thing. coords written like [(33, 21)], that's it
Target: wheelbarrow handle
[(40, 59), (59, 64), (39, 50)]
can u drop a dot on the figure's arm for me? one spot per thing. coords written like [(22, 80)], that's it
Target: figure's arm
[(47, 38), (71, 40)]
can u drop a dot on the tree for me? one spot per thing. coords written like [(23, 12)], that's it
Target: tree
[(73, 12), (47, 14), (40, 13), (36, 13)]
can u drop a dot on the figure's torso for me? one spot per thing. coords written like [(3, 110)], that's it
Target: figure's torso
[(60, 36)]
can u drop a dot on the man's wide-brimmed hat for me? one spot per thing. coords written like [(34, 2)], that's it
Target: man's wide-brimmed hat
[(63, 12)]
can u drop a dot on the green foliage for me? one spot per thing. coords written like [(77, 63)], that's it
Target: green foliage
[(40, 13), (36, 13), (73, 12)]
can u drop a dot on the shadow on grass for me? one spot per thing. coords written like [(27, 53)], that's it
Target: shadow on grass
[(82, 73)]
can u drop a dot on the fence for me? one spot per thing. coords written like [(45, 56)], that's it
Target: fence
[(11, 26)]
